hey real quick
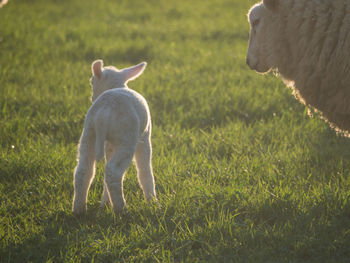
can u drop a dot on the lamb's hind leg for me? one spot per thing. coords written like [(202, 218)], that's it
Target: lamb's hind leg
[(143, 156), (109, 151), (114, 175), (84, 172)]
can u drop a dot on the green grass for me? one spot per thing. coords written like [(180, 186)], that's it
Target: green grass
[(242, 173)]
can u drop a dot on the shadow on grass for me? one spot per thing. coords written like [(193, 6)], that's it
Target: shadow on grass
[(281, 231), (274, 230), (64, 237)]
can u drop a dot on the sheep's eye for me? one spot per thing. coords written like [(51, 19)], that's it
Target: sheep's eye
[(255, 22)]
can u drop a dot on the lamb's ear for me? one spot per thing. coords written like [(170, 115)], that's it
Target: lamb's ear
[(272, 5), (96, 68), (134, 71)]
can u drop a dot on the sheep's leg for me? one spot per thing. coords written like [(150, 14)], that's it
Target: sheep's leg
[(143, 156), (114, 175), (109, 151), (105, 197), (84, 172)]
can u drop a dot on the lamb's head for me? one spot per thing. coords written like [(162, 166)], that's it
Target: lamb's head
[(3, 2), (261, 38), (105, 78)]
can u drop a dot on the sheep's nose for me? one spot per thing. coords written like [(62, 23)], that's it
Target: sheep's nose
[(247, 61), (250, 63)]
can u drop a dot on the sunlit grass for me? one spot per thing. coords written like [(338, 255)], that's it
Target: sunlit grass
[(242, 173)]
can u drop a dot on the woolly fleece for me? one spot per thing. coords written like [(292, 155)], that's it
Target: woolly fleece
[(308, 43)]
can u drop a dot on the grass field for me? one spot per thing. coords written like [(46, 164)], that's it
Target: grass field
[(242, 173)]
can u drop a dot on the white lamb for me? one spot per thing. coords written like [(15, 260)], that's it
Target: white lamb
[(117, 126), (3, 2)]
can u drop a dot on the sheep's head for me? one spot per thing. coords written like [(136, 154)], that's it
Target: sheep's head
[(260, 38), (105, 78)]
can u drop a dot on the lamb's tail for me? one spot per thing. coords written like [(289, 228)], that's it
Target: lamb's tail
[(101, 134)]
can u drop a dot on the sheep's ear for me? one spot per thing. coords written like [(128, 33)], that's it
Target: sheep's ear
[(96, 68), (272, 5), (134, 71)]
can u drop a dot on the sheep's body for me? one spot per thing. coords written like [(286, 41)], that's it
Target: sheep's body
[(118, 114), (118, 125), (308, 43)]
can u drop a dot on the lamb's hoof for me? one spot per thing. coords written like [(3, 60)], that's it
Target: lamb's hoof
[(120, 210), (154, 205), (79, 211), (152, 201), (104, 204)]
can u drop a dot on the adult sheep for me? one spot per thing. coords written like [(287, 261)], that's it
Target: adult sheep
[(308, 43)]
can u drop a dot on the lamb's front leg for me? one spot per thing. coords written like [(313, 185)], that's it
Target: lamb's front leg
[(84, 172), (143, 156), (109, 151)]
